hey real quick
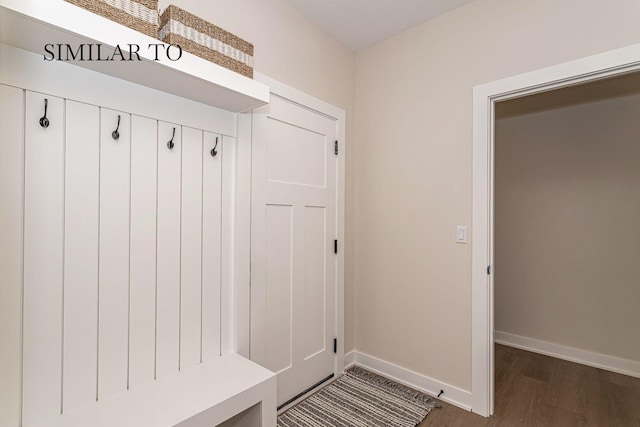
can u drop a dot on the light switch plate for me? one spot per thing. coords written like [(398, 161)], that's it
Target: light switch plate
[(461, 234)]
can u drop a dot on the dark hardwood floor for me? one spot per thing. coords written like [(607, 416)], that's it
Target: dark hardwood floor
[(536, 390)]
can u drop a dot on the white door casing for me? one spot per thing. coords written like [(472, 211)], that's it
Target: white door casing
[(604, 65), (296, 285)]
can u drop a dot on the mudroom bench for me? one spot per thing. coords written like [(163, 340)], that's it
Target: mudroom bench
[(231, 391), (119, 303)]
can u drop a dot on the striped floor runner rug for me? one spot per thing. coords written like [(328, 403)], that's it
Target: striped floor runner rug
[(360, 399)]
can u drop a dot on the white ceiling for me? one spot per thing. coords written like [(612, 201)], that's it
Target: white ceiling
[(362, 23)]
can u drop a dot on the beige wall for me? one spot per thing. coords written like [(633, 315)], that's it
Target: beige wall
[(292, 50), (413, 171), (567, 236)]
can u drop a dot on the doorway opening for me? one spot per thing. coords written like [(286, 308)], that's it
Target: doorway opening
[(609, 64), (567, 241)]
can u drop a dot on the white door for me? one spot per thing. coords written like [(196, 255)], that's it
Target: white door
[(293, 229)]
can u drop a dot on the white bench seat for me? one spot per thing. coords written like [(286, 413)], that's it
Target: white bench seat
[(203, 396)]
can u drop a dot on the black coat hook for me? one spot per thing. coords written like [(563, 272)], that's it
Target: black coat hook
[(170, 144), (115, 134), (213, 151), (44, 122)]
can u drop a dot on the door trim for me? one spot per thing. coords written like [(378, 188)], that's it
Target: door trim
[(244, 130), (596, 67)]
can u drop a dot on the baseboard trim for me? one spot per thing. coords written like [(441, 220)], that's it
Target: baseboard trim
[(571, 354), (349, 359), (453, 395)]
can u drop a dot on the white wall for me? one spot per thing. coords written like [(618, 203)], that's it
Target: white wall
[(567, 217), (291, 49), (413, 163)]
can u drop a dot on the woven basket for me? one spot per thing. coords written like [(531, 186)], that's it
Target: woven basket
[(203, 39), (140, 15)]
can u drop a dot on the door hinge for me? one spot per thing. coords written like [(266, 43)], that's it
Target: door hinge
[(335, 345), (489, 269), (335, 246), (335, 147)]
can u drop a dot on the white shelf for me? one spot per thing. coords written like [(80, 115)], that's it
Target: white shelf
[(31, 24)]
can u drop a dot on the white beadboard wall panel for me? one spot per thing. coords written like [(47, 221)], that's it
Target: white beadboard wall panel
[(211, 245), (81, 224), (168, 250), (11, 171), (117, 254), (113, 288), (191, 249), (142, 277), (43, 259)]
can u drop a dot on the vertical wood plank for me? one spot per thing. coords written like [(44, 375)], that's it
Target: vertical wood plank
[(191, 249), (11, 175), (211, 246), (81, 254), (242, 237), (168, 251), (258, 234), (227, 303), (113, 320), (144, 170), (43, 259)]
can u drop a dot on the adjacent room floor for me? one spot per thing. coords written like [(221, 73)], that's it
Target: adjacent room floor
[(536, 390)]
